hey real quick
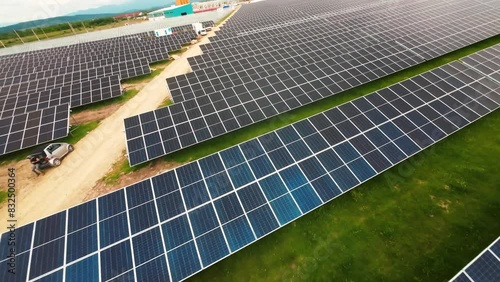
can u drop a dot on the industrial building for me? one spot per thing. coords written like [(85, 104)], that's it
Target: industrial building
[(181, 2), (212, 5), (170, 12)]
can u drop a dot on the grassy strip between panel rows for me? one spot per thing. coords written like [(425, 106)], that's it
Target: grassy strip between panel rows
[(422, 220), (214, 145)]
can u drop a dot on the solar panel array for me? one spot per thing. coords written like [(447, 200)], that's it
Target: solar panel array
[(77, 75), (485, 267), (36, 127), (275, 56), (170, 226)]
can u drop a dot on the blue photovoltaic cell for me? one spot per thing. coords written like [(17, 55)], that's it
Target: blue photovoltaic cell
[(232, 157), (82, 215), (306, 198), (241, 175), (164, 183), (21, 268), (329, 159), (116, 260), (486, 268), (142, 217), (326, 188), (346, 152), (195, 194), (251, 149), (406, 145), (304, 127), (212, 247), (23, 240), (293, 177), (219, 184), (238, 233), (170, 205), (377, 161), (111, 204), (84, 270), (285, 209), (187, 261), (50, 228), (391, 130), (344, 178), (312, 168), (433, 131), (176, 232), (81, 243), (113, 229), (262, 220), (188, 174), (392, 153), (53, 277), (299, 150), (211, 165), (462, 278), (261, 166), (280, 158), (47, 258), (228, 208), (155, 270), (270, 141), (377, 137), (361, 169), (420, 138), (288, 134), (251, 197), (496, 248), (139, 193), (203, 219), (316, 143), (147, 245), (272, 186)]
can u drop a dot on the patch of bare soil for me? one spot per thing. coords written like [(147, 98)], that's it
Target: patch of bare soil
[(154, 168), (94, 115)]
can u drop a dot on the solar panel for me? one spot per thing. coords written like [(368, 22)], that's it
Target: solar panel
[(76, 94), (33, 128), (184, 220), (485, 267)]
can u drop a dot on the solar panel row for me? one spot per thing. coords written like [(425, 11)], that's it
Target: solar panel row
[(156, 133), (485, 267), (170, 226), (34, 83), (36, 127), (76, 94)]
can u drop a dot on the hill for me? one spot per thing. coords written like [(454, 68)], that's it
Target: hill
[(53, 21)]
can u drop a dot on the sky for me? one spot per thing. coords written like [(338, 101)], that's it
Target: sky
[(15, 11)]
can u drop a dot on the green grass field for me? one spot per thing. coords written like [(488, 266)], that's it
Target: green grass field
[(422, 220)]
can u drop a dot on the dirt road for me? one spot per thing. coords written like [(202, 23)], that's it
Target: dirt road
[(94, 155)]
